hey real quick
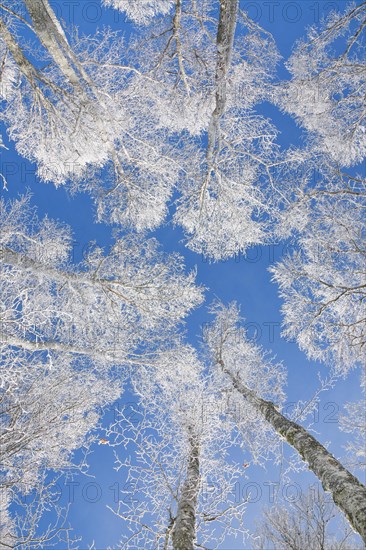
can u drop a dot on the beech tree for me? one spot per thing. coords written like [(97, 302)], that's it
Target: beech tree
[(180, 488), (72, 308), (243, 374), (234, 357), (51, 106), (75, 115), (203, 80), (322, 281)]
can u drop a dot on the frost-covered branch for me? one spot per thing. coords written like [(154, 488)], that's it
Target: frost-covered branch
[(311, 521), (327, 90)]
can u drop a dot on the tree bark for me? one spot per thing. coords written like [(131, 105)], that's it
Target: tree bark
[(53, 38), (184, 532), (224, 46), (347, 492), (22, 62)]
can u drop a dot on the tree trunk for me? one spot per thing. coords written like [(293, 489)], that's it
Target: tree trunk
[(224, 46), (347, 492), (184, 532), (24, 65), (53, 38)]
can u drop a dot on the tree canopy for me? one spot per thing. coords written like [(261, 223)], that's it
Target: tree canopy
[(175, 124)]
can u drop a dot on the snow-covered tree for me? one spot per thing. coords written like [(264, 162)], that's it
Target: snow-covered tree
[(105, 307), (239, 360), (173, 112), (327, 91), (322, 281), (180, 478), (56, 118), (178, 114), (322, 278), (202, 79), (70, 333), (311, 521), (50, 407), (68, 109), (246, 388)]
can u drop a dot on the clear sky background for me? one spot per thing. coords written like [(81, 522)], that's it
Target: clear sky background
[(244, 279)]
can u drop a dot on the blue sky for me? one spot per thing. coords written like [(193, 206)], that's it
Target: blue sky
[(245, 280)]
